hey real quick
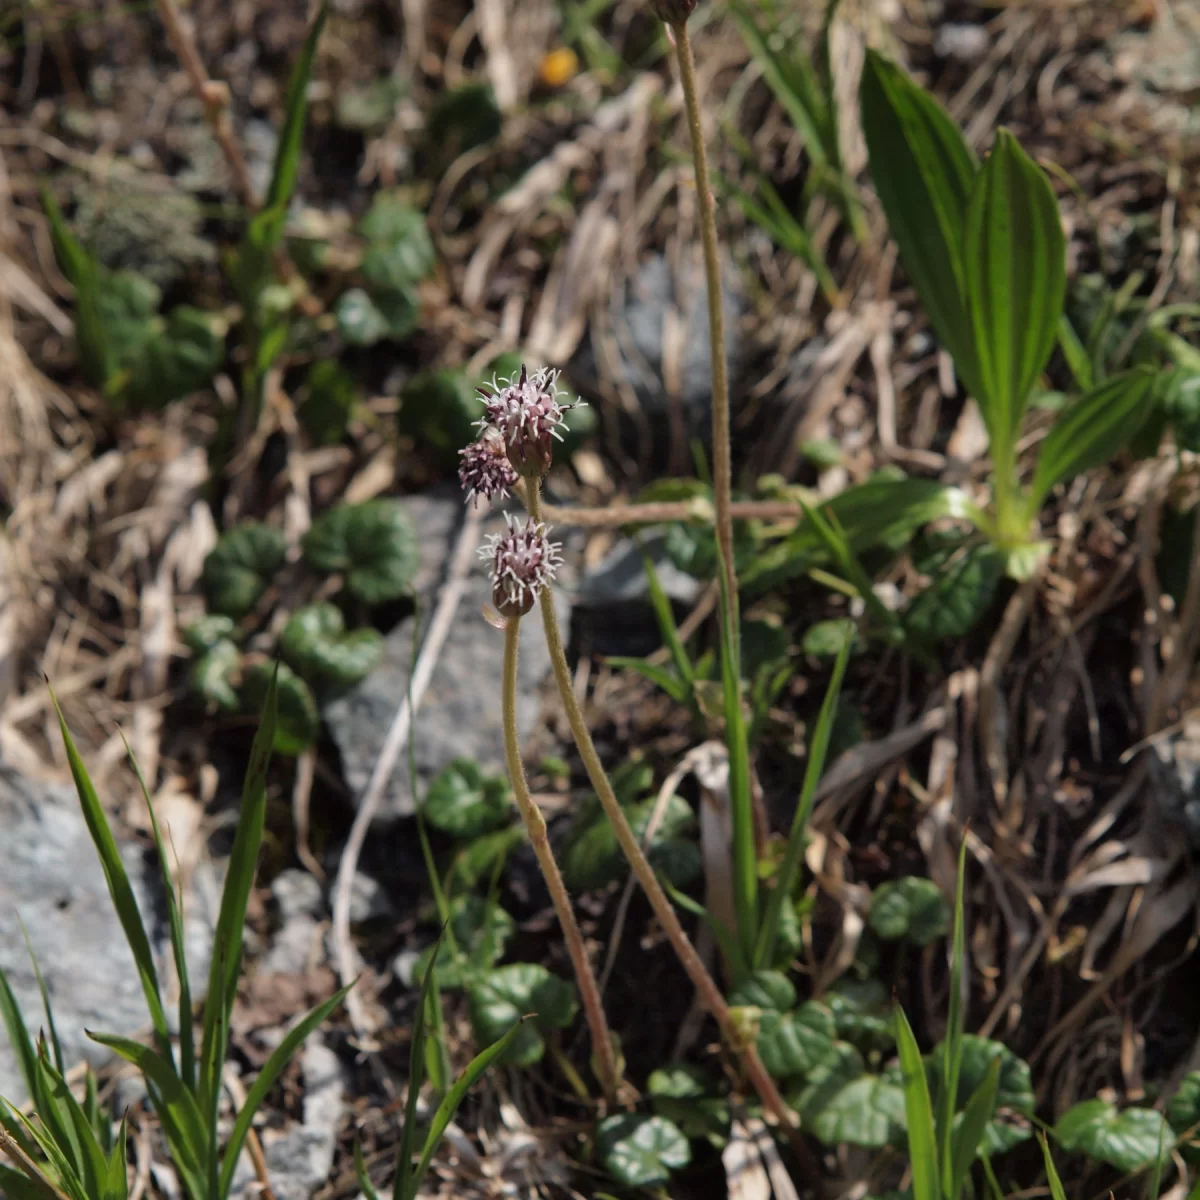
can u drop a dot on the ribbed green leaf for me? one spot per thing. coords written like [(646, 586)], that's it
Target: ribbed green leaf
[(18, 1033), (116, 1186), (923, 171), (1093, 429), (23, 1187), (1014, 270)]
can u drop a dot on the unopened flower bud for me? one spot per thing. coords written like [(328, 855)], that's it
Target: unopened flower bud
[(673, 12), (522, 563), (485, 469), (528, 415)]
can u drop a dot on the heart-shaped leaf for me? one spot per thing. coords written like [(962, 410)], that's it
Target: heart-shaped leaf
[(372, 544), (359, 319), (1014, 268), (481, 931), (215, 676), (1127, 1140), (400, 253), (641, 1151), (1183, 1112), (1010, 1124), (297, 722), (924, 171), (238, 568), (843, 1105), (691, 1101), (205, 633), (769, 990), (499, 998), (796, 1043), (316, 644), (332, 395), (465, 802), (1093, 429), (958, 597), (910, 909)]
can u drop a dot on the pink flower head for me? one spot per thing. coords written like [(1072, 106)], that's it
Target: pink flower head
[(523, 562), (527, 413), (485, 469)]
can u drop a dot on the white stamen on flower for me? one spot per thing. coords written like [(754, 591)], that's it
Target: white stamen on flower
[(522, 562)]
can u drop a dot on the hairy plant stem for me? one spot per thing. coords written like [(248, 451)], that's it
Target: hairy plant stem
[(706, 987), (603, 1053)]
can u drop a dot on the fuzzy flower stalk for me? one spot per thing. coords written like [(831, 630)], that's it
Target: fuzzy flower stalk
[(521, 562)]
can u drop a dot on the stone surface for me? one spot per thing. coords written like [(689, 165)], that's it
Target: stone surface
[(1175, 777), (51, 880), (639, 328), (460, 714)]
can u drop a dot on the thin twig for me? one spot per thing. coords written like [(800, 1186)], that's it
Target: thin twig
[(658, 514), (389, 754)]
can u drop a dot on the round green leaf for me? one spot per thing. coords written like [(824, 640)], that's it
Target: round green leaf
[(358, 318), (1128, 1140), (912, 909), (214, 677), (298, 721), (440, 408), (796, 1043), (208, 631), (690, 1099), (862, 1012), (481, 932), (315, 643), (868, 1111), (1014, 1089), (373, 544), (958, 597), (395, 265), (1183, 1112), (638, 1150), (768, 990), (238, 568), (498, 999), (466, 803), (392, 221)]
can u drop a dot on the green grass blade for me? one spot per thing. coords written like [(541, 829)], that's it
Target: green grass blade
[(667, 628), (789, 865), (922, 1149), (360, 1170), (453, 1098), (738, 965), (92, 1165), (953, 1045), (1057, 1191), (61, 1170), (18, 1034), (187, 1044), (24, 1187), (176, 1106), (678, 689), (53, 1109), (1076, 354), (403, 1187), (97, 1118), (231, 920), (969, 1134), (119, 887), (280, 1057), (116, 1185), (51, 1029)]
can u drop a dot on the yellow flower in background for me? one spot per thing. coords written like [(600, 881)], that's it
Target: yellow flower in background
[(559, 67)]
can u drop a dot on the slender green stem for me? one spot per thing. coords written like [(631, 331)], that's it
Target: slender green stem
[(706, 987), (603, 1053), (745, 849)]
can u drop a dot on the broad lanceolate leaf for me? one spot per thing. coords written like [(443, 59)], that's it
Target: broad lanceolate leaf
[(1014, 264), (316, 644), (1127, 1140), (911, 908), (504, 995), (373, 544), (1093, 429), (641, 1151), (923, 171), (238, 568), (466, 803)]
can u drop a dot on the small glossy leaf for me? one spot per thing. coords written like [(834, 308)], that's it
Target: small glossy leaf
[(798, 1042), (481, 932), (923, 170), (1183, 1112), (214, 677), (504, 995), (373, 544), (769, 990), (1014, 263), (316, 645), (911, 908), (958, 597), (208, 631), (1127, 1140), (465, 802), (440, 408), (359, 319), (237, 570), (690, 1100), (332, 395), (1093, 429), (298, 721), (641, 1151)]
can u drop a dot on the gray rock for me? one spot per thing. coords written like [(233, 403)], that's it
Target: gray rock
[(300, 1158), (639, 326), (460, 714), (620, 576), (1175, 777), (51, 880), (963, 42)]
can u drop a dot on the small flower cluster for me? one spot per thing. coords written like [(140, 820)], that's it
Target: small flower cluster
[(523, 562), (521, 420)]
